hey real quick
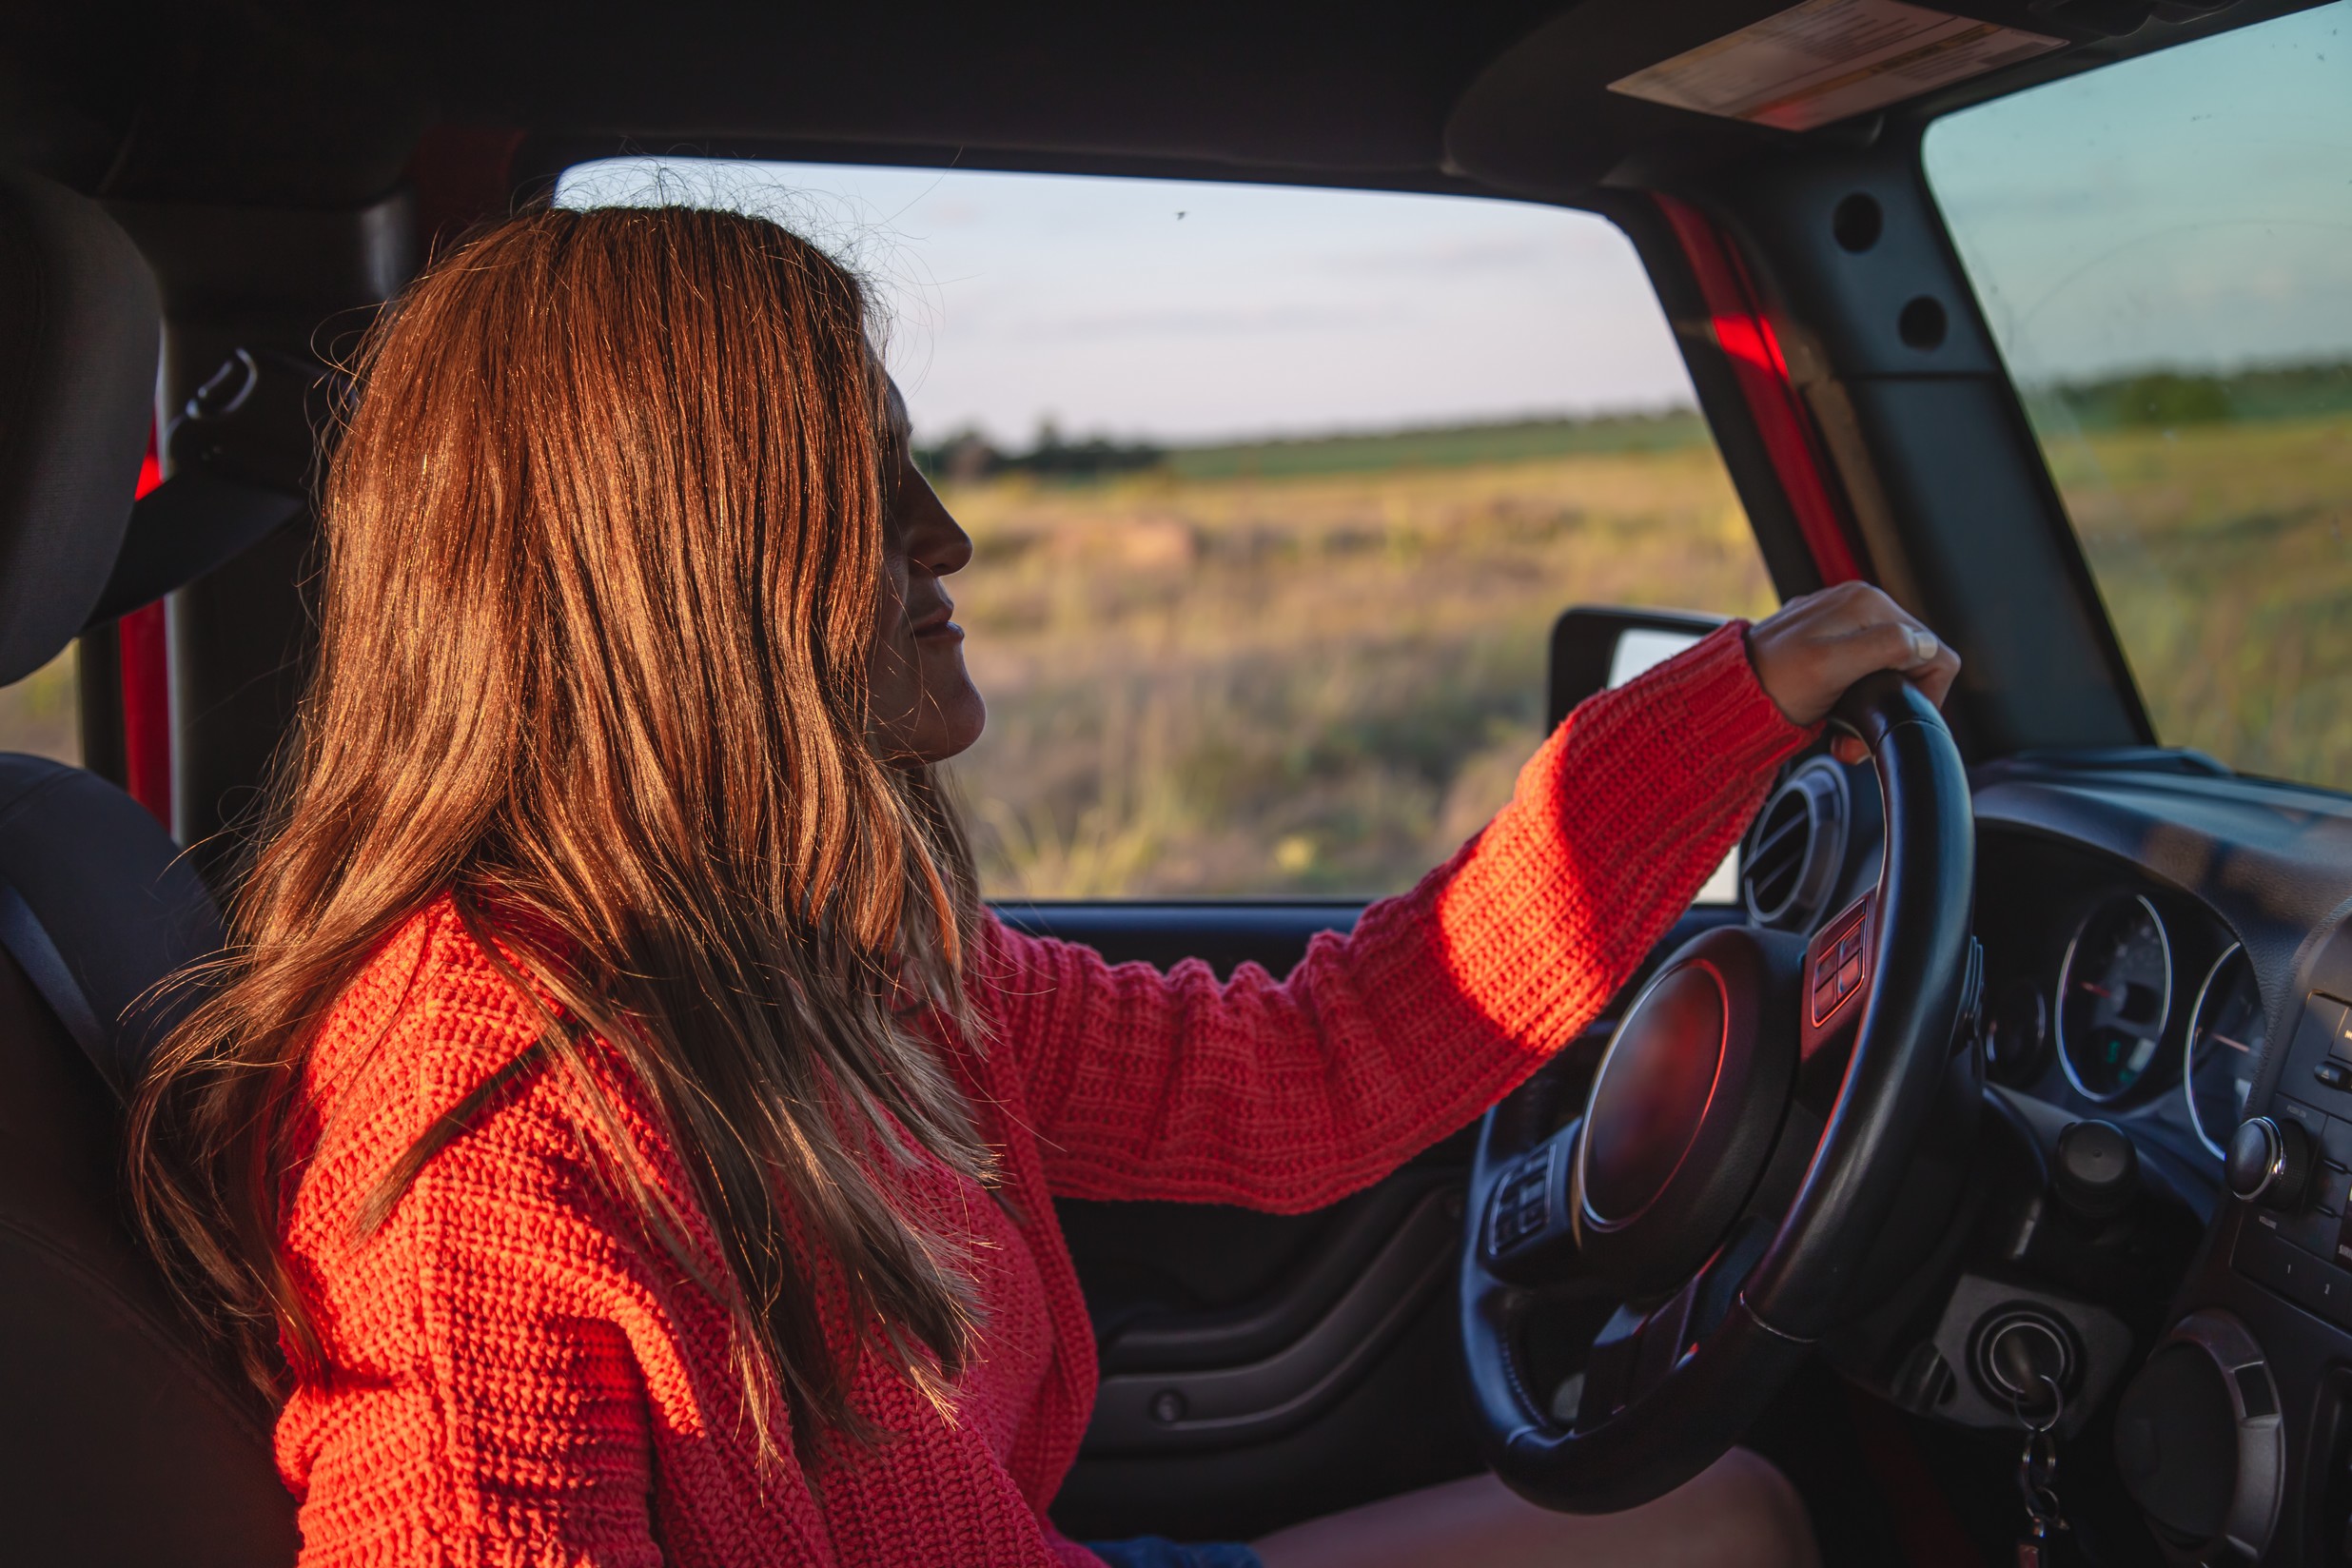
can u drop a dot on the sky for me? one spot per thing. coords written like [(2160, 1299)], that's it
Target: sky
[(2192, 209), (1187, 312)]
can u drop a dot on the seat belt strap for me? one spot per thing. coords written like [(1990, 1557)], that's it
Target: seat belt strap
[(28, 942)]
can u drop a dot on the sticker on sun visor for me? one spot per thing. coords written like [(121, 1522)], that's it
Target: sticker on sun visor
[(1827, 59)]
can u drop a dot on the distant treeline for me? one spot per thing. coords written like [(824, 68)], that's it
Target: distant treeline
[(1444, 446), (968, 455), (2163, 398), (2150, 398)]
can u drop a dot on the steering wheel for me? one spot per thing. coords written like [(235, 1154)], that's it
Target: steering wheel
[(1738, 1152)]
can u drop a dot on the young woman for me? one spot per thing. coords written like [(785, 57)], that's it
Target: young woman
[(620, 1134)]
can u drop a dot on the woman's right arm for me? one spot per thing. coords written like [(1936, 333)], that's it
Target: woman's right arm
[(1289, 1095)]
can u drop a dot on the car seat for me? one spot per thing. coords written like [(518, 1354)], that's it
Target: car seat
[(122, 1439)]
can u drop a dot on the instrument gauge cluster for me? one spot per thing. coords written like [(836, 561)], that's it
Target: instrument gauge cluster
[(2225, 1034), (2110, 995), (2114, 998)]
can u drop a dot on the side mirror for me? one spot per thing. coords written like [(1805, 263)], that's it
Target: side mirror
[(1595, 648)]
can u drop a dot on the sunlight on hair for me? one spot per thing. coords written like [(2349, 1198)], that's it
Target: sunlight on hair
[(568, 431), (854, 232)]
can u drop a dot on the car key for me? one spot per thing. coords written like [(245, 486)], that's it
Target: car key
[(2038, 1480)]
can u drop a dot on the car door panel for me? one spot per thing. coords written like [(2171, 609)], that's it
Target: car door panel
[(1262, 1368)]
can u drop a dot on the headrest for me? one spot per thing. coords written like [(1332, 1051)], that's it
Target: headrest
[(80, 330)]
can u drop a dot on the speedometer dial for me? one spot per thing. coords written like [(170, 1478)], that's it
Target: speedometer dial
[(2114, 993), (2224, 1036)]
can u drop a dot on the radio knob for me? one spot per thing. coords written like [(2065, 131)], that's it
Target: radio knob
[(2270, 1162)]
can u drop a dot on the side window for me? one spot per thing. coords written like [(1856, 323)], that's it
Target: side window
[(1275, 495), (39, 714)]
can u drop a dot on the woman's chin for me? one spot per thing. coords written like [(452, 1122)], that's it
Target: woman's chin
[(947, 727), (960, 726)]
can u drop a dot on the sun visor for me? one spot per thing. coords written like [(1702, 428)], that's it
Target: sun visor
[(1827, 60)]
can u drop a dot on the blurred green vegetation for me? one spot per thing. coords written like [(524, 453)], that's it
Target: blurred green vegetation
[(1311, 684), (2160, 399), (2224, 551), (39, 714), (968, 455), (1444, 447)]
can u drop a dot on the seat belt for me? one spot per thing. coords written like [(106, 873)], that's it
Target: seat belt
[(185, 528), (28, 942)]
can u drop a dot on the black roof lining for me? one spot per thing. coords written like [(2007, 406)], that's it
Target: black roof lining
[(270, 103)]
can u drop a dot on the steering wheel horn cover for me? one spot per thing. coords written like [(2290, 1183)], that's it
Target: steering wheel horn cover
[(1710, 1354), (1685, 1106)]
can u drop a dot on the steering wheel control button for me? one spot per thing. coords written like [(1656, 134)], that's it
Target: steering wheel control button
[(2270, 1162), (2098, 1170), (1836, 965), (1522, 1204)]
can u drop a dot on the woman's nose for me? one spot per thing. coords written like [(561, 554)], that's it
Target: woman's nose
[(935, 542)]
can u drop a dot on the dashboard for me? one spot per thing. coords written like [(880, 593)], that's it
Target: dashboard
[(2179, 939), (2165, 1023)]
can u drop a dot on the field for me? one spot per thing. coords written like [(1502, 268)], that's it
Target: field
[(1320, 683), (2222, 551), (1314, 667), (1308, 684)]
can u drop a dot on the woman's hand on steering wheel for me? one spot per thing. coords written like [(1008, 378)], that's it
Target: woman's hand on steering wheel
[(1809, 652)]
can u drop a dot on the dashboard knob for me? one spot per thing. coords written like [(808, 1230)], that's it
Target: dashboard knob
[(2270, 1162), (2098, 1171)]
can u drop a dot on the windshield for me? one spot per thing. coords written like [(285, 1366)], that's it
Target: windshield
[(2163, 248)]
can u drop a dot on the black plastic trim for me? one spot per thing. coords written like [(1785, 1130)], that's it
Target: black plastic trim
[(1180, 1341), (1159, 1412)]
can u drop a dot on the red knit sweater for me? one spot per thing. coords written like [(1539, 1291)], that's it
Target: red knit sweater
[(513, 1375)]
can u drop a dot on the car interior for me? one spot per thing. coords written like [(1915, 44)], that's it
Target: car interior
[(2029, 1124)]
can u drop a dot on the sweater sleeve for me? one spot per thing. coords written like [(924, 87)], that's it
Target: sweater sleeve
[(1287, 1096)]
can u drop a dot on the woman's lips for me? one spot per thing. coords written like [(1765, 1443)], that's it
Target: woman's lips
[(937, 626)]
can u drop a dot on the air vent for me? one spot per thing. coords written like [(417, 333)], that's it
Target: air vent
[(1790, 863)]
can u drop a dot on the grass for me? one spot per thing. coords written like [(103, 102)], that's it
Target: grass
[(2221, 552), (1313, 684)]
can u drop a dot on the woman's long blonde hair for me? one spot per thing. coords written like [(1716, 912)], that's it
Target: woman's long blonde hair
[(605, 540)]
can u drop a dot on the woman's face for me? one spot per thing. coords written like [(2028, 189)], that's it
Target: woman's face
[(925, 706)]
